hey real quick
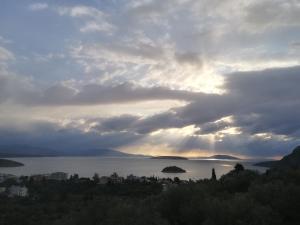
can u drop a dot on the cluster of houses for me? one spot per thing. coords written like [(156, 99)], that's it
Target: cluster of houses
[(16, 189), (12, 190), (166, 183), (116, 179), (60, 176)]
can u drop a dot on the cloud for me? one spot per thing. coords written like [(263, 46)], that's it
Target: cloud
[(258, 101), (189, 58), (139, 51), (38, 6), (270, 14), (263, 103), (22, 91), (67, 139), (94, 20), (112, 124), (5, 55), (3, 40)]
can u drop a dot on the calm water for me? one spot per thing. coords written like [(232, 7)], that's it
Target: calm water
[(87, 166)]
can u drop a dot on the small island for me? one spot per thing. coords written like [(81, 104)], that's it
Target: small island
[(169, 157), (173, 169), (9, 163)]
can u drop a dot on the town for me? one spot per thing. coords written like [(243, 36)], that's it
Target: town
[(14, 186)]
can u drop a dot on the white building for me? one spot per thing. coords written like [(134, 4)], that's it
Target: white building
[(17, 191)]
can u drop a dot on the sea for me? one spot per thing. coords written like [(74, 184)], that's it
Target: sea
[(124, 166)]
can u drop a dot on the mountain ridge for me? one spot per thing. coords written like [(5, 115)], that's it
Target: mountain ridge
[(290, 161), (33, 151)]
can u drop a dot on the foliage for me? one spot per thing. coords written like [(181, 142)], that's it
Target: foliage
[(241, 197)]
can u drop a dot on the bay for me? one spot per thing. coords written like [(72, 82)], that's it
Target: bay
[(123, 166)]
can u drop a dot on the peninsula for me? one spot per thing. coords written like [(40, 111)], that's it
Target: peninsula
[(9, 163)]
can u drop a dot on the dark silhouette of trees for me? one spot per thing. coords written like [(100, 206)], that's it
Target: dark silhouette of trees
[(213, 174), (176, 180), (96, 178), (238, 168), (240, 197)]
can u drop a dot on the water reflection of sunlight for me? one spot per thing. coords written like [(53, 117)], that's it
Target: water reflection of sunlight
[(226, 165)]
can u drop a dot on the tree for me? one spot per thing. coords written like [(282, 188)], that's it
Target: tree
[(213, 174), (96, 178), (176, 180), (238, 168)]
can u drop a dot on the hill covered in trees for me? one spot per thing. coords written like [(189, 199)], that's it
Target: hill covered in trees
[(291, 161)]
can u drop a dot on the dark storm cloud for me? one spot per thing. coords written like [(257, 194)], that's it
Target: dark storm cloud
[(14, 90), (213, 127), (160, 121), (138, 124), (52, 136), (119, 123), (258, 101), (190, 58)]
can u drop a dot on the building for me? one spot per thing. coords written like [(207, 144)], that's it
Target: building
[(132, 178), (58, 176), (39, 177), (53, 176), (17, 191), (103, 180), (116, 179)]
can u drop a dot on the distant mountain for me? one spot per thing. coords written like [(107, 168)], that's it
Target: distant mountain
[(170, 157), (220, 157), (9, 163), (291, 161), (31, 151), (99, 152), (25, 151)]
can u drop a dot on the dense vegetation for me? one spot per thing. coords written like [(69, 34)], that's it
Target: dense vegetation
[(241, 197), (291, 161)]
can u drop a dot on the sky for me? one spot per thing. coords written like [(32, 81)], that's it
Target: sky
[(172, 77)]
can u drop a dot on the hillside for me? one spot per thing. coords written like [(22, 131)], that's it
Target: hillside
[(291, 161), (9, 163), (220, 157), (33, 151)]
